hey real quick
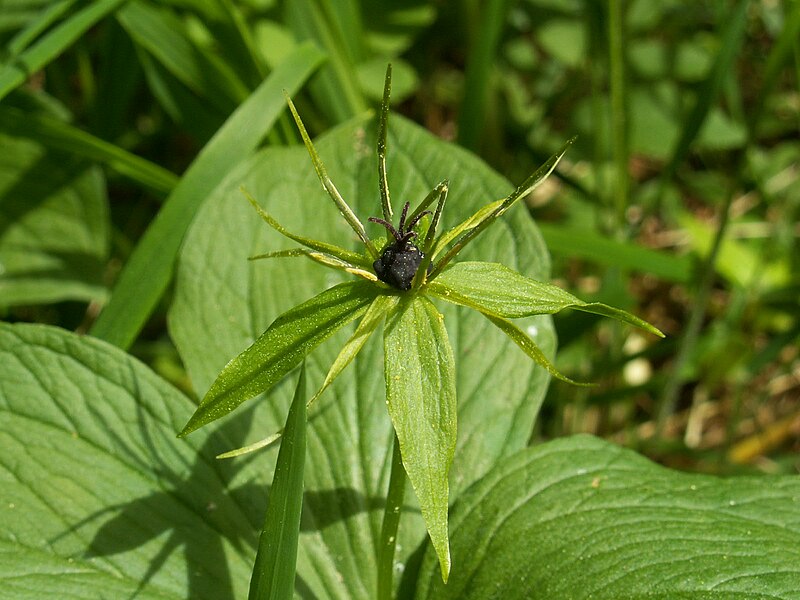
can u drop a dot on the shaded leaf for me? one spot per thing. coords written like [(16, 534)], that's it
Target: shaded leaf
[(98, 497), (54, 228), (52, 44)]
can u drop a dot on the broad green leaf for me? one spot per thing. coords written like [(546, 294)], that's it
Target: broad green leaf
[(223, 302), (149, 269), (421, 397), (54, 229), (99, 499), (581, 518), (52, 44), (280, 348), (275, 566), (495, 289)]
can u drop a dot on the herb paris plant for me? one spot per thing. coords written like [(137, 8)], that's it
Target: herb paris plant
[(396, 280)]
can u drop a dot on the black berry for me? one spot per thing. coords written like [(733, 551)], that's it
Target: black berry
[(400, 260)]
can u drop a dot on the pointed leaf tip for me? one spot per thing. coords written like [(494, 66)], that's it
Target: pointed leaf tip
[(421, 396)]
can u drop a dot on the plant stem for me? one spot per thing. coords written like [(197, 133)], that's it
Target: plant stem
[(619, 135), (691, 334), (391, 519)]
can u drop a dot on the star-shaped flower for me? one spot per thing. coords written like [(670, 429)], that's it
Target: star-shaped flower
[(396, 279)]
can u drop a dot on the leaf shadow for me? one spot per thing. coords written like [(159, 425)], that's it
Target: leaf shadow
[(174, 512), (230, 514)]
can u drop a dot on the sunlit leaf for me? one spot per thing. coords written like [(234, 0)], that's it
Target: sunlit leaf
[(528, 346), (421, 396), (495, 289), (582, 518), (281, 348)]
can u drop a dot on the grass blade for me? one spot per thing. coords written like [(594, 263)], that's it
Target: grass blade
[(149, 269), (52, 45), (731, 39), (161, 33), (276, 559), (37, 26), (337, 29), (479, 69), (63, 136)]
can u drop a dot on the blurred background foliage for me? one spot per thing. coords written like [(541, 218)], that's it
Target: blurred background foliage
[(679, 202)]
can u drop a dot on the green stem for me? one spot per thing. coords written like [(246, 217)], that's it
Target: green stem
[(692, 332), (391, 519), (618, 121)]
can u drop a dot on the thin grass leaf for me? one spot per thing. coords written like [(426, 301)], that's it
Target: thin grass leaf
[(162, 34), (344, 255), (276, 558), (149, 269), (337, 29), (527, 186), (63, 136), (529, 347), (731, 39), (421, 398), (284, 344), (495, 289), (263, 443), (480, 67), (781, 52), (51, 45), (599, 249), (619, 125), (238, 21), (37, 26), (391, 520), (329, 186)]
